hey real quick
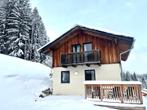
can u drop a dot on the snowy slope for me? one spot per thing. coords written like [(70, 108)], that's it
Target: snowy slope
[(22, 81)]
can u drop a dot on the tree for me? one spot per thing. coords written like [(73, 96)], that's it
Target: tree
[(4, 12), (134, 77), (38, 36), (22, 31), (123, 76), (144, 84), (128, 75), (22, 41), (10, 25), (2, 42), (16, 28)]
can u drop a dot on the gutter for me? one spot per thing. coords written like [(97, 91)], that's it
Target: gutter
[(121, 57)]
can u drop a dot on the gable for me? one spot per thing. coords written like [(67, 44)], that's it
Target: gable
[(124, 43)]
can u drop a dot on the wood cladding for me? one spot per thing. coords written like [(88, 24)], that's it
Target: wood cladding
[(109, 48)]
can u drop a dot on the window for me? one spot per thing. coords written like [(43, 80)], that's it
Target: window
[(87, 47), (65, 77), (76, 48), (75, 56), (88, 55), (89, 74)]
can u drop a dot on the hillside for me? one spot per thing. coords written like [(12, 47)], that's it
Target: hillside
[(21, 82)]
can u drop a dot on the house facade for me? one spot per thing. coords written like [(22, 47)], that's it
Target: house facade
[(84, 54)]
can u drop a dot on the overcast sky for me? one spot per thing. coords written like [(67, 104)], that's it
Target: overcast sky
[(128, 17)]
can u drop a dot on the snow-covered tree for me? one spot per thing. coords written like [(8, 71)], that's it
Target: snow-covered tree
[(22, 31), (12, 24), (21, 42), (15, 28), (4, 11), (134, 77), (127, 76), (38, 36), (144, 84)]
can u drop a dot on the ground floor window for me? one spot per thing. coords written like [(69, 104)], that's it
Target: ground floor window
[(89, 74), (65, 77)]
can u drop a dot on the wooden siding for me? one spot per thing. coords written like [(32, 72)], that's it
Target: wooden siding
[(109, 48)]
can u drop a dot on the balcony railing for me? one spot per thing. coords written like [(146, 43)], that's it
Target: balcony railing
[(88, 57), (114, 91)]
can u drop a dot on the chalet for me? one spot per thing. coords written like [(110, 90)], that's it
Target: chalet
[(84, 54)]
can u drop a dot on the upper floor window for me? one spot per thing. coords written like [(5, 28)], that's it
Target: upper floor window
[(87, 47), (76, 48)]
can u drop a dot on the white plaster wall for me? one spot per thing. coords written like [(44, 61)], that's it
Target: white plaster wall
[(76, 86)]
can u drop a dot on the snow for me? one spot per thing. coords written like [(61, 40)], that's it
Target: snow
[(145, 101), (116, 104), (43, 46), (144, 91), (21, 82), (112, 82), (16, 53)]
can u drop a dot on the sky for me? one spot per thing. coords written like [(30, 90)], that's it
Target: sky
[(127, 17)]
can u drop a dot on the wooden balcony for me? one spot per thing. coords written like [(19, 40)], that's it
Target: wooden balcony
[(88, 57), (114, 91)]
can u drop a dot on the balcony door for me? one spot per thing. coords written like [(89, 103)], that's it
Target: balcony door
[(76, 48), (76, 53), (88, 52)]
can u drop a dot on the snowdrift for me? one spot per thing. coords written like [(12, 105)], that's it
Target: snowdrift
[(21, 82)]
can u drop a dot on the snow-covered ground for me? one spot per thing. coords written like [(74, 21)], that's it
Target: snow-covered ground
[(21, 82), (145, 101)]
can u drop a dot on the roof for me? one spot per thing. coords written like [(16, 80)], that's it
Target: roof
[(50, 46)]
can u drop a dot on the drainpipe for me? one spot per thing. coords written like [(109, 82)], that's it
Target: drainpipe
[(121, 57)]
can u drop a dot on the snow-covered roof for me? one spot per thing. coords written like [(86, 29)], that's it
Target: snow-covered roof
[(43, 46), (112, 82)]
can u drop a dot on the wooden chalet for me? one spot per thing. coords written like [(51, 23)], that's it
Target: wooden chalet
[(90, 54), (83, 58)]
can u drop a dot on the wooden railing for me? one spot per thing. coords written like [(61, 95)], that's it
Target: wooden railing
[(114, 91), (88, 57)]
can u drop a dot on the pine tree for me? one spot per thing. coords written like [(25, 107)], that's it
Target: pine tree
[(4, 12), (123, 76), (144, 84), (25, 26), (134, 77), (22, 32), (38, 36), (12, 29), (16, 28), (10, 26), (2, 46), (128, 76)]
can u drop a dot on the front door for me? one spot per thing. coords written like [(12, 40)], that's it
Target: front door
[(89, 74)]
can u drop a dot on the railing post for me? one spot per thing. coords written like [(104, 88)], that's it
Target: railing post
[(85, 91), (121, 93), (140, 94), (101, 92)]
